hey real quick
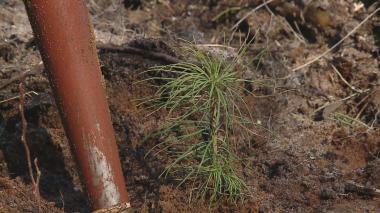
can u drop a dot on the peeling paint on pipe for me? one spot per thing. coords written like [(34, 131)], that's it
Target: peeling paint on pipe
[(67, 45)]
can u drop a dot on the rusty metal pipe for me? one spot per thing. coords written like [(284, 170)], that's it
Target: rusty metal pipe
[(67, 45)]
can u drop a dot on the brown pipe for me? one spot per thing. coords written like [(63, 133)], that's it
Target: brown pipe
[(67, 45)]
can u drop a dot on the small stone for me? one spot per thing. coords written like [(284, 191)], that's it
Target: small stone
[(327, 194)]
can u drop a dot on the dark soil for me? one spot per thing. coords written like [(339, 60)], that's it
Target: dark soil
[(302, 160)]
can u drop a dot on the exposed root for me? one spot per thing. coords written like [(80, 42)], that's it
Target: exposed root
[(35, 180)]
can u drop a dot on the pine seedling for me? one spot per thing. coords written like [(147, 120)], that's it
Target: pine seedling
[(204, 100)]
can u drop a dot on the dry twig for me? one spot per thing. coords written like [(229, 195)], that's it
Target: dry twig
[(35, 180), (34, 70), (345, 81), (251, 12), (339, 42), (115, 209), (29, 94)]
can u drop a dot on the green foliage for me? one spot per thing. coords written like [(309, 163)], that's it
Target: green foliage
[(346, 120), (205, 103)]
